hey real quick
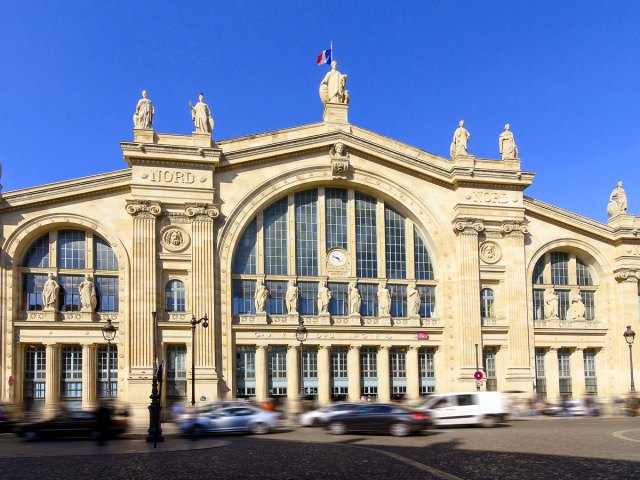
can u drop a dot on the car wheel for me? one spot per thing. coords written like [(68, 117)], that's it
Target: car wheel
[(197, 431), (399, 429), (488, 421), (337, 428), (315, 422), (30, 436), (259, 428)]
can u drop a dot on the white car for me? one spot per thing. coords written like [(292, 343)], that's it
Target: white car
[(467, 408), (322, 415)]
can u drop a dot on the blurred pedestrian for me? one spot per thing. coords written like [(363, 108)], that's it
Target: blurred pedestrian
[(103, 422)]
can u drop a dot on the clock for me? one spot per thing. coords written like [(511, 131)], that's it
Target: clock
[(337, 258)]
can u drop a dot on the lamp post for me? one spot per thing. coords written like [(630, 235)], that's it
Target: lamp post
[(301, 336), (205, 323), (109, 334), (154, 434), (629, 336)]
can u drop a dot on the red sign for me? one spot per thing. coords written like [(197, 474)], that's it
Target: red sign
[(422, 336), (11, 381), (478, 375)]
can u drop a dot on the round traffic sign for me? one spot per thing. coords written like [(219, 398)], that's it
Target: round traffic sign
[(478, 375)]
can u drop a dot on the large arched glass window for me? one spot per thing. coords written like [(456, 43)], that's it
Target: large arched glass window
[(294, 235), (77, 253), (175, 295), (563, 288)]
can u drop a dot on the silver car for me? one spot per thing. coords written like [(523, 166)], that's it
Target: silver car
[(232, 419), (322, 415)]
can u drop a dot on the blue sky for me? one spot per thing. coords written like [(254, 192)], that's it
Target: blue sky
[(564, 74)]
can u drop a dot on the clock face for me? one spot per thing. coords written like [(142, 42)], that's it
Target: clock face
[(337, 258)]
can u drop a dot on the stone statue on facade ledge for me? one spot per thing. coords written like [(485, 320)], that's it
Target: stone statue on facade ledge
[(88, 296), (333, 87), (617, 201), (260, 296), (413, 300), (384, 300), (291, 297), (201, 116), (507, 144), (459, 142), (143, 116), (355, 300), (550, 304), (50, 292), (577, 305), (324, 297)]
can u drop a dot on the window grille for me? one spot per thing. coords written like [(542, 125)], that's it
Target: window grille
[(244, 260), (243, 292), (276, 242), (336, 217), (421, 258), (487, 299), (306, 210), (103, 375), (71, 377), (339, 304), (176, 376), (366, 236), (71, 249), (394, 233)]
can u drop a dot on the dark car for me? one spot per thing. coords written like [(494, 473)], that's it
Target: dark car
[(6, 417), (397, 420), (72, 424)]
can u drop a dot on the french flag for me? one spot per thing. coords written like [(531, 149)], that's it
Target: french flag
[(324, 57)]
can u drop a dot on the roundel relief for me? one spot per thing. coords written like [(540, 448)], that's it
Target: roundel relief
[(490, 252), (174, 239)]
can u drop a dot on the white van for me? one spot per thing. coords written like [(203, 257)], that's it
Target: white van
[(467, 408)]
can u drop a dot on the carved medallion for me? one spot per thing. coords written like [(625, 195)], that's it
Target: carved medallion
[(174, 239), (339, 160), (490, 252)]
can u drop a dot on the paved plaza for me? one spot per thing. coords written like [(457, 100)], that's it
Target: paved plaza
[(594, 448)]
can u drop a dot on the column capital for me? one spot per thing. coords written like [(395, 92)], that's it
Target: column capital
[(355, 347), (261, 348), (202, 211), (324, 347), (293, 347), (143, 208), (514, 228), (469, 226), (383, 348), (626, 274)]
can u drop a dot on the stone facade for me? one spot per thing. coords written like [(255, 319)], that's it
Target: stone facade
[(163, 234)]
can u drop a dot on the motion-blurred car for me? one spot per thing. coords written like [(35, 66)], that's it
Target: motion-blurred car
[(398, 420), (6, 417), (570, 408), (72, 424), (189, 413), (243, 418), (486, 409), (321, 416)]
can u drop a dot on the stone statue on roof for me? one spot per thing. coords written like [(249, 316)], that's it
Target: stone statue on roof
[(617, 201), (507, 144), (459, 142), (143, 116), (333, 86), (201, 116)]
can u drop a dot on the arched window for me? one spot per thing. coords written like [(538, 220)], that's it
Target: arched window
[(487, 306), (374, 242), (563, 288), (175, 295), (72, 262)]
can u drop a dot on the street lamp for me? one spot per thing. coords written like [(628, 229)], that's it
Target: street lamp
[(109, 334), (629, 336), (301, 336), (205, 323)]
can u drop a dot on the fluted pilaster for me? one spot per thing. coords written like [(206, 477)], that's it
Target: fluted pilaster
[(52, 381), (469, 322), (143, 281), (261, 373), (384, 375), (89, 380), (353, 368), (413, 374), (324, 375)]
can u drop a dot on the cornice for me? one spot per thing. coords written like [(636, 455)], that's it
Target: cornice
[(83, 187)]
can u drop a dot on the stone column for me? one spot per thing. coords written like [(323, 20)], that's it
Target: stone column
[(413, 374), (468, 323), (143, 283), (89, 376), (261, 373), (202, 294), (16, 393), (443, 379), (518, 367), (578, 389), (628, 315), (324, 375), (552, 374), (293, 378), (384, 375), (353, 367), (52, 381)]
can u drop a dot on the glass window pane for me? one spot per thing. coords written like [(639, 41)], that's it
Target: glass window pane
[(422, 260), (588, 298), (564, 305), (176, 371), (308, 294), (32, 286), (427, 301), (175, 296), (336, 217), (70, 292), (559, 268), (107, 291), (71, 249), (538, 271), (306, 206), (71, 375), (487, 303), (38, 253), (104, 256), (538, 304), (339, 304), (276, 243), (107, 371), (394, 234), (582, 274), (243, 292), (275, 301), (366, 244), (244, 260), (398, 300), (369, 295)]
